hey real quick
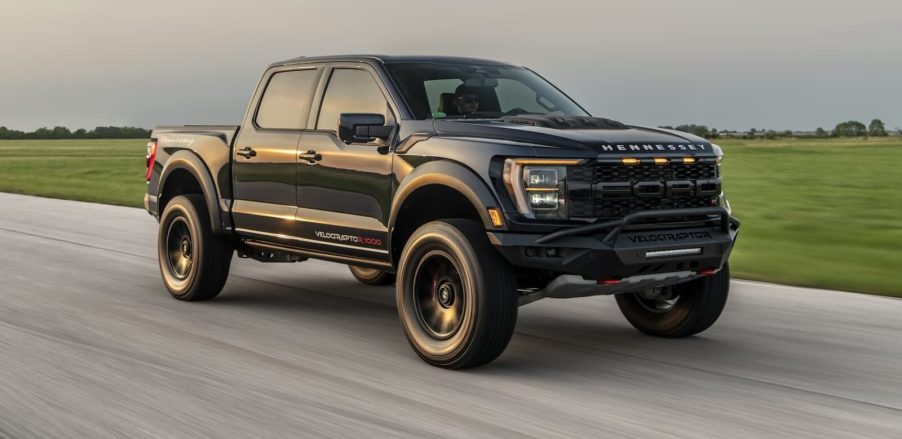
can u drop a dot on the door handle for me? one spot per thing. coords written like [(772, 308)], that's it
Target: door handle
[(247, 152), (310, 156)]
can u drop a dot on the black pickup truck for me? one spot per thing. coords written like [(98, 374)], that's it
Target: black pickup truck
[(476, 186)]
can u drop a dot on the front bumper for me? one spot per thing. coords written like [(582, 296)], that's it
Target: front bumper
[(621, 249)]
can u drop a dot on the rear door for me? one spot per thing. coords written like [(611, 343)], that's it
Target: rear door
[(344, 195), (265, 153)]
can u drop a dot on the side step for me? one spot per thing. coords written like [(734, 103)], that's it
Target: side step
[(262, 255), (283, 253)]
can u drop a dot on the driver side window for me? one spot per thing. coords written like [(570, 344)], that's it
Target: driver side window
[(351, 91)]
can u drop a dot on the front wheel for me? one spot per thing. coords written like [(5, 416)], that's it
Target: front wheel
[(456, 296), (193, 261), (680, 310)]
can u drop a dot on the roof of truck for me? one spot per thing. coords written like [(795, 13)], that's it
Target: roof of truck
[(390, 59)]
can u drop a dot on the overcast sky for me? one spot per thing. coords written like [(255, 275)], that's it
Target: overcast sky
[(790, 64)]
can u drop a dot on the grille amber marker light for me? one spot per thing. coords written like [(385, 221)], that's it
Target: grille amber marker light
[(688, 160), (661, 161), (630, 161), (495, 216)]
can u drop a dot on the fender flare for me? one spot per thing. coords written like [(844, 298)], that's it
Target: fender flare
[(452, 175), (188, 161)]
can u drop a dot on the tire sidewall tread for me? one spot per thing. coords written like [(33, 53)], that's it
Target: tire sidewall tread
[(213, 253), (494, 306), (700, 305)]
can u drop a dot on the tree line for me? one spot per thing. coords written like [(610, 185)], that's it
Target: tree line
[(852, 128), (81, 133)]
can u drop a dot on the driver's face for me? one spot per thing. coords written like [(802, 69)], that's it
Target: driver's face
[(468, 103)]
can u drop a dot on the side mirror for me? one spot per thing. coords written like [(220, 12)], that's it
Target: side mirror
[(362, 127)]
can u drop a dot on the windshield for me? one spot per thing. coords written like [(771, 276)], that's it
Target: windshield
[(459, 91)]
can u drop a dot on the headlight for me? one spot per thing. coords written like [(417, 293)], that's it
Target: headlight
[(538, 186)]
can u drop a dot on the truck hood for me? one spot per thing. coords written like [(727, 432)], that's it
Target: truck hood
[(595, 136)]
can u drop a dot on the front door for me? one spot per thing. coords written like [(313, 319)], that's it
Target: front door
[(344, 190), (265, 154)]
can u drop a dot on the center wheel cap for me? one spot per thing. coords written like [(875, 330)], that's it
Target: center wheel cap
[(186, 248), (445, 295)]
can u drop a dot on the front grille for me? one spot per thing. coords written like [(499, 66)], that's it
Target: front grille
[(620, 207), (586, 200)]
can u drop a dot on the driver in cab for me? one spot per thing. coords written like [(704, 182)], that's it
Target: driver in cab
[(466, 98)]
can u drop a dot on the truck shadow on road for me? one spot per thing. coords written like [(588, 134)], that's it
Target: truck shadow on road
[(588, 336)]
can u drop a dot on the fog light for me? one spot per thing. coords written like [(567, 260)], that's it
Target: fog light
[(673, 253)]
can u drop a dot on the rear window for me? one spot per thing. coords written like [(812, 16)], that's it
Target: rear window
[(286, 100)]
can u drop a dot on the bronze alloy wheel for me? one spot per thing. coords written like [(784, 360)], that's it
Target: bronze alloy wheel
[(179, 248), (440, 297), (662, 302), (193, 261), (456, 296)]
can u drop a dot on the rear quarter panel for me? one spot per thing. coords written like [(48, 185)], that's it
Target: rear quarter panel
[(210, 144)]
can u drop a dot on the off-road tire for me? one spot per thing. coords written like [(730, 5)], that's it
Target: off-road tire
[(699, 304), (208, 256), (483, 288)]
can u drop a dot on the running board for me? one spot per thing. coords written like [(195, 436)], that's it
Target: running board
[(305, 254)]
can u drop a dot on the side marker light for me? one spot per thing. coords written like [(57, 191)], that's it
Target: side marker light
[(495, 216)]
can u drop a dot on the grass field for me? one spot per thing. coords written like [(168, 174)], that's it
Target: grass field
[(102, 171), (820, 213)]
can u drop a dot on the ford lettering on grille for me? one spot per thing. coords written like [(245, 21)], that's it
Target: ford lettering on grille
[(612, 190)]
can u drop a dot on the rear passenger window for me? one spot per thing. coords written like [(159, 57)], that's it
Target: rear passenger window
[(286, 100), (351, 91)]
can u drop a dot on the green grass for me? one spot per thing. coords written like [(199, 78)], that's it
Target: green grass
[(819, 213), (102, 171)]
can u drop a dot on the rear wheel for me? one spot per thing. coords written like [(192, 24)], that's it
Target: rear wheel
[(456, 296), (193, 261), (372, 276), (680, 310)]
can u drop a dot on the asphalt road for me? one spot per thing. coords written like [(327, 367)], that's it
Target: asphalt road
[(91, 345)]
